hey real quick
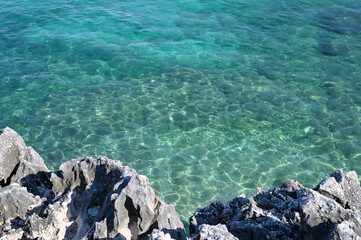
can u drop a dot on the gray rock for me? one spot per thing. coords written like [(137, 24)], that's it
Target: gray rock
[(345, 230), (331, 211), (213, 232), (159, 235), (321, 215), (291, 185), (100, 198), (16, 201), (87, 199), (211, 215), (17, 160), (343, 188)]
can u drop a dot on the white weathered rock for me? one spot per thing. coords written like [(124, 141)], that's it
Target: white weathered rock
[(213, 232), (159, 235), (16, 159), (343, 188), (87, 199)]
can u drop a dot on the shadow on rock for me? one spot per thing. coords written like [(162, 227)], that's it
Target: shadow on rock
[(86, 199)]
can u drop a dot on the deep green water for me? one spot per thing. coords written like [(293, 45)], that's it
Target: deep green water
[(208, 99)]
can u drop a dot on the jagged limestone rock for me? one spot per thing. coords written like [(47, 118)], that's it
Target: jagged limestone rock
[(86, 199), (160, 235), (343, 188), (16, 201), (331, 211), (213, 232), (16, 159)]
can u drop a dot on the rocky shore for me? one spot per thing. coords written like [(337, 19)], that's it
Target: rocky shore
[(102, 199)]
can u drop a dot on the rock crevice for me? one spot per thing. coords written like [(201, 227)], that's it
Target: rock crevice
[(329, 211), (86, 199)]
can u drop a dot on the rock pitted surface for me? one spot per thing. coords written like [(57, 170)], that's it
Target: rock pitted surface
[(330, 211), (213, 232), (87, 199)]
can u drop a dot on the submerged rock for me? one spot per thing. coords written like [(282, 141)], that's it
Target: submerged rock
[(332, 48), (330, 211), (86, 199)]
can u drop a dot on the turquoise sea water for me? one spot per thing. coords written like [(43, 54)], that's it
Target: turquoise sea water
[(208, 99)]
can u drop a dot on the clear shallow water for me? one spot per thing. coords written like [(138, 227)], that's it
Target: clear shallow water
[(208, 100)]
